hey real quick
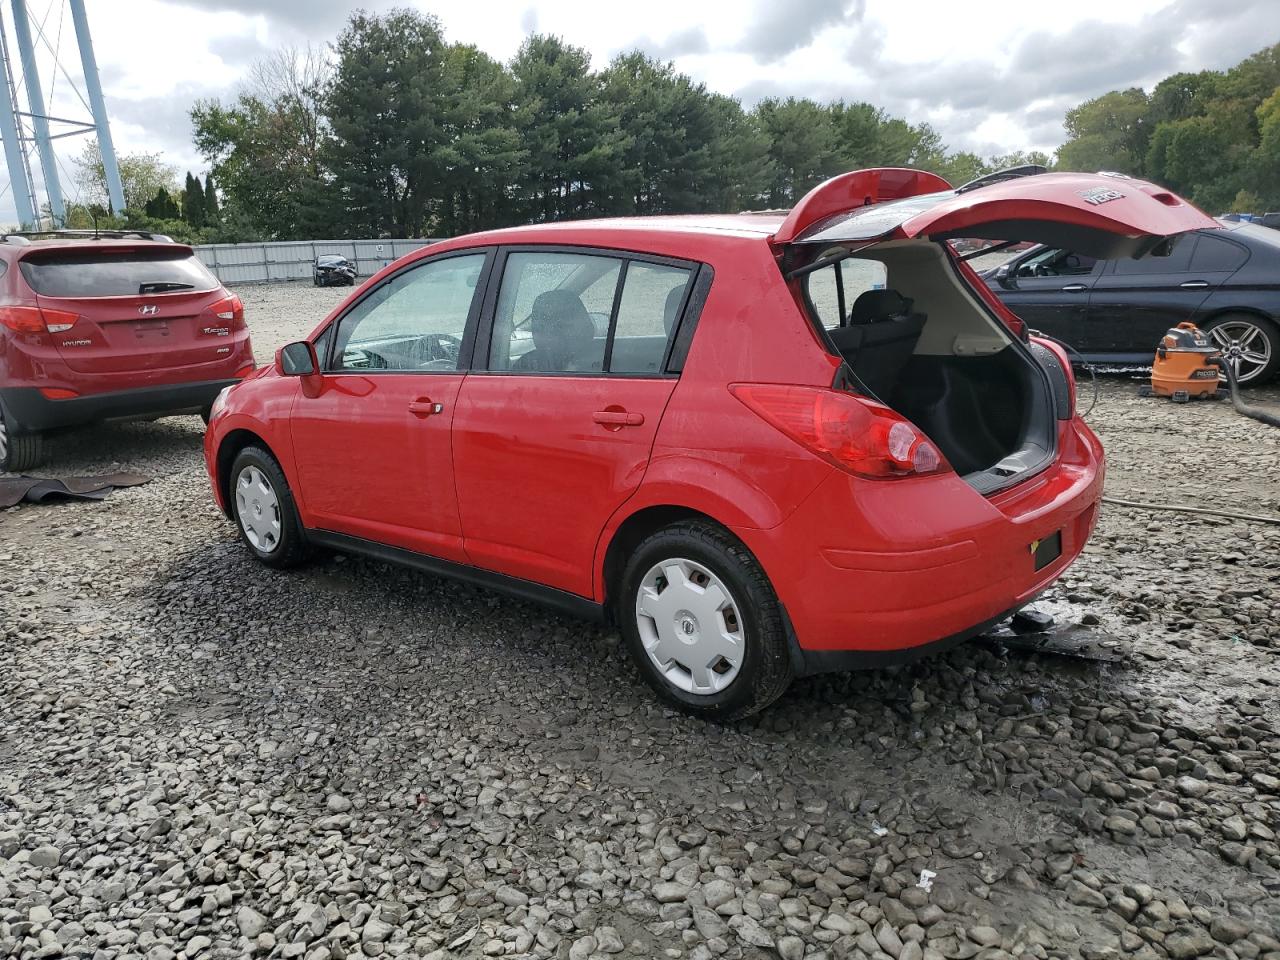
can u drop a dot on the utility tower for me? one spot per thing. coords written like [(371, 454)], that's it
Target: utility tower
[(20, 128)]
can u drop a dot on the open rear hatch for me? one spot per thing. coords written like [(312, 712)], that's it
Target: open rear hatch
[(921, 334), (128, 308)]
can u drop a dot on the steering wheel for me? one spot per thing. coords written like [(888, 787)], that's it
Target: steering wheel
[(440, 346), (352, 359), (1044, 270)]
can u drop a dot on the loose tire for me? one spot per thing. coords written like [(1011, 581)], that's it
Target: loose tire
[(1251, 343), (264, 511), (702, 622), (19, 451)]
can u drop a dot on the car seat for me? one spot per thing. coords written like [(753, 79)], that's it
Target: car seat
[(564, 338), (878, 338)]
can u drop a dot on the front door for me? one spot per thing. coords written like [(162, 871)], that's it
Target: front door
[(372, 437), (1048, 288), (556, 433)]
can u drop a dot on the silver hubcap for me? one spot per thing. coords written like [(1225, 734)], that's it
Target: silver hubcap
[(690, 626), (1244, 346), (258, 508)]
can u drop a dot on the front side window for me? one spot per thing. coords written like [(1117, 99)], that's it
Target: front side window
[(1057, 263), (414, 321)]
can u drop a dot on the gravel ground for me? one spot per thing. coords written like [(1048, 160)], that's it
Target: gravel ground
[(199, 758)]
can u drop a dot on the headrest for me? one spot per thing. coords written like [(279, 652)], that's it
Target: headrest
[(874, 306), (558, 320)]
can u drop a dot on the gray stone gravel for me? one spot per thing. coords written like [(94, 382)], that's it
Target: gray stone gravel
[(199, 758)]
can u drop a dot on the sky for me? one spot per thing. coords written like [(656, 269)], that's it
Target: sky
[(990, 77)]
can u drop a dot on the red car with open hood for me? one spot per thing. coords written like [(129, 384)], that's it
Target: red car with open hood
[(764, 446)]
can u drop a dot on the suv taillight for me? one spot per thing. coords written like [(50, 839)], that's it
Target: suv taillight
[(229, 308), (854, 433), (28, 319)]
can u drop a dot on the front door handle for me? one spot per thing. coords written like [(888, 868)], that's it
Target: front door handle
[(1194, 284), (425, 407), (1074, 288), (618, 418)]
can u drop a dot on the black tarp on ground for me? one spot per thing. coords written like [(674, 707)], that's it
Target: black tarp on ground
[(14, 490)]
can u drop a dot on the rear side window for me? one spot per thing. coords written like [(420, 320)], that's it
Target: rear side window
[(1217, 256), (1176, 262), (652, 295), (833, 290), (128, 273)]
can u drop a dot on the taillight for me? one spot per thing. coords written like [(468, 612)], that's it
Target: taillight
[(29, 319), (229, 308), (854, 433), (57, 393)]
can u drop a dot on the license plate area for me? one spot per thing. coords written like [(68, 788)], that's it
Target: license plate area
[(1046, 550)]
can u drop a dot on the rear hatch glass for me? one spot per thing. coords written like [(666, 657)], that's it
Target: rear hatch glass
[(123, 274)]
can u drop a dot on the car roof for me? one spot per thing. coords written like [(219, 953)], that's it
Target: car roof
[(745, 225), (90, 244)]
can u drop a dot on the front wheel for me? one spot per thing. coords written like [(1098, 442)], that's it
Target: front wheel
[(19, 451), (702, 622), (264, 510), (1250, 344)]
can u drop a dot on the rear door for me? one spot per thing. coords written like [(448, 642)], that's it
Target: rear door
[(1136, 301), (133, 308), (556, 433)]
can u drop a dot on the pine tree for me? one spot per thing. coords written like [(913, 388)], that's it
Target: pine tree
[(162, 206), (193, 202), (212, 215)]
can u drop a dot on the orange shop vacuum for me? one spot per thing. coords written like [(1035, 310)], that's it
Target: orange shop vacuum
[(1186, 366)]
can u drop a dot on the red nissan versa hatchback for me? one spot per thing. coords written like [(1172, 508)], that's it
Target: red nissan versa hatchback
[(93, 329), (764, 446)]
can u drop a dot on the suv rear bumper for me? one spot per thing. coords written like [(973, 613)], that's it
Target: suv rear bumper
[(28, 410), (875, 572)]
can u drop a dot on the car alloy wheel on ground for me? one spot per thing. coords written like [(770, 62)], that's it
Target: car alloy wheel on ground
[(1250, 344), (264, 509), (18, 451), (703, 623)]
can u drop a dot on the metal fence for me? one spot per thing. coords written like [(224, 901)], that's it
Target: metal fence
[(279, 260)]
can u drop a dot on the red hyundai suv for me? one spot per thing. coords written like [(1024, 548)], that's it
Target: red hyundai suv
[(98, 326), (764, 446)]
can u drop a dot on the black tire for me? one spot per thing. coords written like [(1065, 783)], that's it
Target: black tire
[(1266, 328), (765, 672), (290, 548), (19, 451)]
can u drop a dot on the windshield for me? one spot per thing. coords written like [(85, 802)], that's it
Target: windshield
[(126, 273)]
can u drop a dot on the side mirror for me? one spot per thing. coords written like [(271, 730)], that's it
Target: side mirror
[(298, 359), (1005, 278)]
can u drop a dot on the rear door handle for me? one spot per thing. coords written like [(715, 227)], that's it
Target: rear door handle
[(618, 418), (1194, 284), (425, 407), (1074, 288)]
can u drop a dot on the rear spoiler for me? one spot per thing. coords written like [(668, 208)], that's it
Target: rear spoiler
[(858, 188)]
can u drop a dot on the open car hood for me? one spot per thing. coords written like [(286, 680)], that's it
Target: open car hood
[(1098, 214)]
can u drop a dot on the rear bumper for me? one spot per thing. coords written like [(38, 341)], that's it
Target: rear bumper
[(29, 410), (877, 572)]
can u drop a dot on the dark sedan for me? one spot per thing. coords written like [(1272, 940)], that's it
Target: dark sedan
[(1115, 311), (334, 270)]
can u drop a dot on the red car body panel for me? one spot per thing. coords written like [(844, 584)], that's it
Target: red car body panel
[(540, 488), (112, 358)]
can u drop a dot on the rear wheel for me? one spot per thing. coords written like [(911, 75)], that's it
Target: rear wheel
[(1250, 344), (702, 622), (264, 510), (19, 451)]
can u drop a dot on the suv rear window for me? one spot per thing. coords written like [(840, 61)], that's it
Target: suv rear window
[(109, 274)]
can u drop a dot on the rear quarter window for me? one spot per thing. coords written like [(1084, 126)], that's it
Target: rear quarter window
[(842, 283), (115, 274), (1215, 255)]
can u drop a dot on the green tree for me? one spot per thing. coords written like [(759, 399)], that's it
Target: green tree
[(802, 147), (162, 206), (211, 212), (141, 176), (194, 207), (1109, 132), (387, 152), (575, 147)]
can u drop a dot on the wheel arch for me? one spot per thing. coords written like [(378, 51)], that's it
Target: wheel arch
[(228, 449), (1217, 313)]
